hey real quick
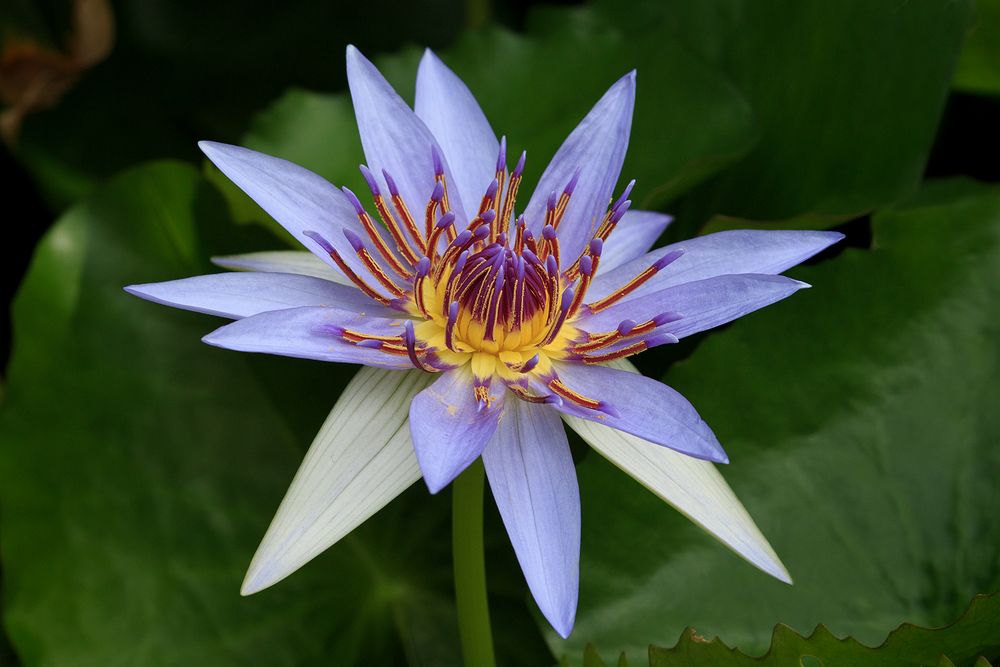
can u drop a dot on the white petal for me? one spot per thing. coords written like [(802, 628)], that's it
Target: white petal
[(695, 488), (361, 459), (282, 261)]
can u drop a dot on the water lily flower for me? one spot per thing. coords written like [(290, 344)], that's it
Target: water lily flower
[(485, 326)]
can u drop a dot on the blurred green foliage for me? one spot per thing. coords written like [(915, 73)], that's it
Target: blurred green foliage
[(138, 467)]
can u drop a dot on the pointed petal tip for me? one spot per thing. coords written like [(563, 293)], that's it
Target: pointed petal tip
[(435, 486), (212, 148), (564, 629), (259, 577)]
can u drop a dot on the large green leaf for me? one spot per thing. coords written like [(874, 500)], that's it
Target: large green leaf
[(689, 121), (861, 420), (966, 642), (847, 94), (139, 468), (979, 67)]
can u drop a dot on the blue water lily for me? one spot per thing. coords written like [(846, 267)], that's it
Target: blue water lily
[(485, 326)]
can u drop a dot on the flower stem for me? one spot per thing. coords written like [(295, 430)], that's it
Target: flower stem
[(470, 568)]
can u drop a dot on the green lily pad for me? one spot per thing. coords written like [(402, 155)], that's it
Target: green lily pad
[(963, 643), (847, 95), (979, 67), (860, 417)]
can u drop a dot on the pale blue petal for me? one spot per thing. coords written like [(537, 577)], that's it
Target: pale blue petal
[(299, 200), (634, 235), (309, 333), (641, 406), (452, 114), (238, 295), (393, 138), (597, 149), (737, 251), (531, 474), (449, 429), (703, 304)]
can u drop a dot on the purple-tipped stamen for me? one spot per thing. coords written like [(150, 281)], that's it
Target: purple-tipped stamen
[(391, 184), (354, 240), (320, 241), (353, 198), (502, 155), (370, 180), (447, 220), (437, 194), (666, 318), (530, 364), (668, 258), (624, 195), (519, 168), (596, 246), (571, 186), (438, 162)]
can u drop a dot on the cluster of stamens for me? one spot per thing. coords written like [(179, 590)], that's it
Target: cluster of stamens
[(491, 294)]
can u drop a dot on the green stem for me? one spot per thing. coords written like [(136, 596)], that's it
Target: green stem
[(470, 568)]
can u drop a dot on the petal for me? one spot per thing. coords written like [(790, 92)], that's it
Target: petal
[(736, 251), (393, 138), (282, 261), (309, 333), (695, 488), (596, 148), (299, 200), (452, 114), (704, 304), (238, 295), (361, 459), (634, 235), (641, 406), (531, 473), (449, 429)]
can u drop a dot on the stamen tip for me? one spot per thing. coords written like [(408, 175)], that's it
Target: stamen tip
[(390, 183), (353, 198), (322, 242), (608, 409), (438, 162), (571, 186), (626, 326), (519, 169), (668, 258), (370, 180), (596, 246), (354, 240)]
